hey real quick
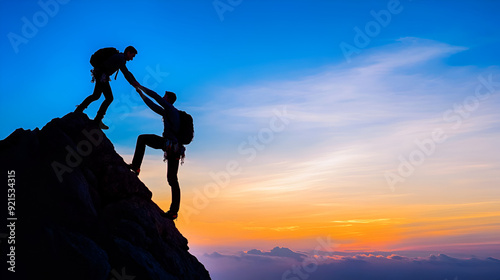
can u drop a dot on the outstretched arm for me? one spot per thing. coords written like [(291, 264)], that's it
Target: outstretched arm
[(129, 77), (154, 95), (157, 109), (162, 102), (168, 111)]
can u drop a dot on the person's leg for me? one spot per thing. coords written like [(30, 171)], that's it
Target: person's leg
[(172, 169), (108, 95), (153, 141), (91, 98)]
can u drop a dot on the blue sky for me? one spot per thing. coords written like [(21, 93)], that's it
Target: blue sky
[(255, 41), (385, 140)]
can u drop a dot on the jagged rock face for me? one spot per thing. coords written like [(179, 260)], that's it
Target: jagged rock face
[(81, 214)]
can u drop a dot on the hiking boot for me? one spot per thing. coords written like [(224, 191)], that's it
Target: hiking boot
[(136, 171), (170, 215), (102, 125)]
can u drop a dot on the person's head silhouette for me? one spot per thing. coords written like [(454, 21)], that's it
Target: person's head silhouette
[(130, 52)]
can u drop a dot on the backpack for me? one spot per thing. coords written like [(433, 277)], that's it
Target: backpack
[(186, 129), (101, 55)]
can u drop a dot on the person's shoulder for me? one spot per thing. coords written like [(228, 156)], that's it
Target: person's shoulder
[(173, 107), (118, 56)]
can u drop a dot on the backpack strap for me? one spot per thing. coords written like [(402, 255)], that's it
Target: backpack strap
[(117, 73)]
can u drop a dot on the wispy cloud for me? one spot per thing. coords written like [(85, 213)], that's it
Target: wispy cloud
[(361, 221), (351, 123), (365, 113)]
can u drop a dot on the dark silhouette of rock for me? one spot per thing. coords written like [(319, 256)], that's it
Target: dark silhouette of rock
[(80, 213)]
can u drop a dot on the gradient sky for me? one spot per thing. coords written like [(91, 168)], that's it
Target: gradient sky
[(373, 123)]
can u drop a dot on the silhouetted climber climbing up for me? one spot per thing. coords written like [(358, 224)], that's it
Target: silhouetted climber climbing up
[(106, 61), (178, 130)]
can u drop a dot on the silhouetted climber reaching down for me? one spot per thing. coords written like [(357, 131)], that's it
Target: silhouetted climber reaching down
[(106, 61), (171, 143)]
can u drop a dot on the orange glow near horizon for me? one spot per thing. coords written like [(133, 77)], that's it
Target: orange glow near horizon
[(292, 205), (354, 227)]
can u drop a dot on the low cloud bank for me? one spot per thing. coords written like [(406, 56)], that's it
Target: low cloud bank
[(285, 264)]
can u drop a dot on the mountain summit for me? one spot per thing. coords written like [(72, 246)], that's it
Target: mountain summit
[(75, 211)]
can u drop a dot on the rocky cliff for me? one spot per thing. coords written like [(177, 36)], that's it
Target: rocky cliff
[(74, 211)]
